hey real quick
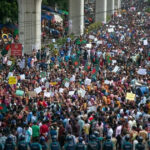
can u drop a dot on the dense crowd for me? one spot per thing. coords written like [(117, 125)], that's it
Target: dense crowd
[(92, 93)]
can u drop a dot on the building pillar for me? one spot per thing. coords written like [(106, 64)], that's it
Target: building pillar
[(30, 24), (118, 4), (110, 7), (101, 11), (38, 24), (76, 17)]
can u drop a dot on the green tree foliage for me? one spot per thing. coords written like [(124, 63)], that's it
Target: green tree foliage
[(9, 8), (62, 4), (8, 11)]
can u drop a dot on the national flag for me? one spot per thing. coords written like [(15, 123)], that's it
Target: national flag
[(7, 47), (94, 71), (1, 108), (87, 67), (76, 63)]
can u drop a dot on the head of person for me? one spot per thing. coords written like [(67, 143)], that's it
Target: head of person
[(69, 138), (42, 140), (54, 138), (9, 139), (96, 133), (127, 137), (22, 138), (140, 139), (108, 137), (93, 137), (80, 139)]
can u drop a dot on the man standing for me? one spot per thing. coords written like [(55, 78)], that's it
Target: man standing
[(127, 145), (35, 130), (140, 145)]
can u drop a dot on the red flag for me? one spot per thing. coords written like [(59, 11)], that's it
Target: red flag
[(88, 67), (94, 71), (76, 63), (7, 47), (1, 108)]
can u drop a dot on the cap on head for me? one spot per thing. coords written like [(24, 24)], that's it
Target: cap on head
[(96, 133), (9, 139), (69, 138), (127, 137), (140, 139), (108, 137), (22, 137), (93, 137), (54, 137), (80, 139), (42, 139)]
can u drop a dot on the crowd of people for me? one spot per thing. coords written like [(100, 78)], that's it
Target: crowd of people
[(92, 93)]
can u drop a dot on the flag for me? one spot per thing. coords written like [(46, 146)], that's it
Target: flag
[(94, 71), (87, 67), (109, 59), (4, 52), (76, 62), (3, 108), (7, 47)]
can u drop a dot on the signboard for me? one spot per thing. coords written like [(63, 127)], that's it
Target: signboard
[(130, 96), (16, 49), (12, 80)]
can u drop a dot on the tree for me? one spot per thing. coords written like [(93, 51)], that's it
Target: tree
[(8, 11), (9, 8), (62, 4)]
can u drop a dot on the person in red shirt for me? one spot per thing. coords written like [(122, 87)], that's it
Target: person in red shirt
[(44, 129)]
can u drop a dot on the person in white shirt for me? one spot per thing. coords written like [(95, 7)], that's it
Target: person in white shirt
[(110, 131)]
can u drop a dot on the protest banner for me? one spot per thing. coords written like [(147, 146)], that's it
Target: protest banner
[(16, 49), (12, 80), (53, 83), (130, 96), (19, 92)]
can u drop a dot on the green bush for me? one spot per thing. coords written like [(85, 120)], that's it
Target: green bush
[(148, 10), (94, 26), (60, 42), (108, 18)]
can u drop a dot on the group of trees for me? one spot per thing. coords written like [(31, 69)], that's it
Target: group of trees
[(8, 11), (62, 4), (9, 8)]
